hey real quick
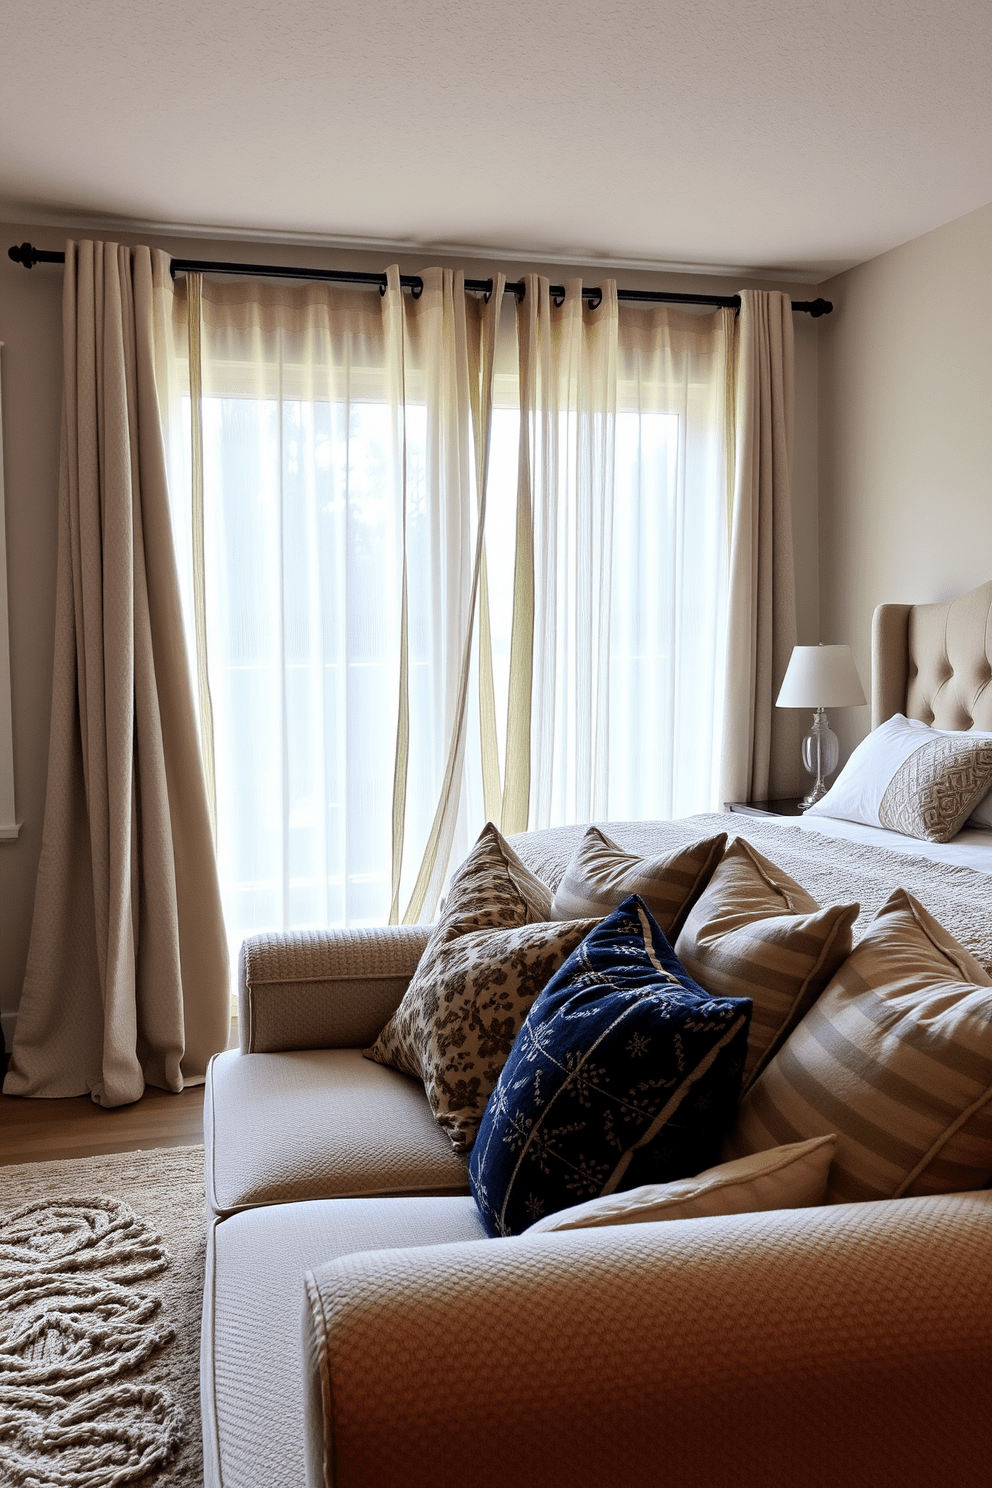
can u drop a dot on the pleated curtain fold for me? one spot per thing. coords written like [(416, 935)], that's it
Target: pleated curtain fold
[(761, 622), (127, 974), (557, 733)]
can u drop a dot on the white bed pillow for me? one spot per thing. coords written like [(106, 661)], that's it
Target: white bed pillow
[(912, 779), (789, 1177)]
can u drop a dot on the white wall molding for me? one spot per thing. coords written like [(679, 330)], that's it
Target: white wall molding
[(69, 223)]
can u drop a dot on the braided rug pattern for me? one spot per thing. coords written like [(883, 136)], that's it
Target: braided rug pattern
[(74, 1330)]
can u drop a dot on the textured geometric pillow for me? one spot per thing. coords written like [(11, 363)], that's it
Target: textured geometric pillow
[(480, 986), (754, 932), (601, 875), (491, 890), (912, 779), (625, 1072), (981, 812), (896, 1058), (791, 1177)]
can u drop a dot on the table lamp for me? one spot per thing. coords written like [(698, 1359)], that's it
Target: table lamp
[(820, 677)]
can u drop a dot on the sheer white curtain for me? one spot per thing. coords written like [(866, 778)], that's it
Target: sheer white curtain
[(326, 450), (442, 563), (622, 560)]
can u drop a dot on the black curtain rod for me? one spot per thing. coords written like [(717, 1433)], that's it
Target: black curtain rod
[(28, 255)]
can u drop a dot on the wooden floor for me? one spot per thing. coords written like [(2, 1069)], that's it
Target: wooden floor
[(42, 1130)]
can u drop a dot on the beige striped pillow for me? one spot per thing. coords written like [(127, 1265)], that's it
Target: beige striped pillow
[(754, 932), (601, 875), (896, 1058)]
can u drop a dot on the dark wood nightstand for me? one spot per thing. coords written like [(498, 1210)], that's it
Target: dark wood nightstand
[(765, 808)]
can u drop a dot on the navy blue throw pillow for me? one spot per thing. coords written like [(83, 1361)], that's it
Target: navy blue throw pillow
[(625, 1072)]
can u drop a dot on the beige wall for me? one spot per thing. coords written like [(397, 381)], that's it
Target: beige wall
[(905, 433), (32, 380)]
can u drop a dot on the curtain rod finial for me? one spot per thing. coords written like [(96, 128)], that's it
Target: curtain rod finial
[(25, 254)]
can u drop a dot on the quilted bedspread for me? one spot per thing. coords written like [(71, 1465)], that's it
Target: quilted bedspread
[(833, 871)]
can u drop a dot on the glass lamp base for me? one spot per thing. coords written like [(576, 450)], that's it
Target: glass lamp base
[(821, 751)]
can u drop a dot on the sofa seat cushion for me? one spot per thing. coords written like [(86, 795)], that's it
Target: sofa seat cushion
[(319, 1124), (251, 1362)]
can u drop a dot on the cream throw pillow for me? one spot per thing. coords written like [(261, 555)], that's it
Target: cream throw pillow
[(602, 875), (896, 1058), (790, 1177), (754, 932)]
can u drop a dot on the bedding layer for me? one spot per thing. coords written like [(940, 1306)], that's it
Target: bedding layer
[(834, 870)]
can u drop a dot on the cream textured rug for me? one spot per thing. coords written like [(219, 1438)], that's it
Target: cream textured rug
[(101, 1280)]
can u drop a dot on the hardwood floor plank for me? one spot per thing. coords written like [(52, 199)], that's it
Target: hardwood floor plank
[(44, 1130)]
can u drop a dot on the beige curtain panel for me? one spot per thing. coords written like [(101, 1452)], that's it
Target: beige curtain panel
[(127, 975), (761, 628)]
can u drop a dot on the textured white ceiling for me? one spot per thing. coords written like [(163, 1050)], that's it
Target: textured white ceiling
[(762, 134)]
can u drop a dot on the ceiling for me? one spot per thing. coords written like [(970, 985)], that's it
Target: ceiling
[(757, 135)]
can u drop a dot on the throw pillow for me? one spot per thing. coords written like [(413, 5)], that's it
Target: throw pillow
[(601, 875), (625, 1072), (754, 932), (896, 1058), (482, 987), (790, 1177), (912, 779), (981, 812), (491, 890)]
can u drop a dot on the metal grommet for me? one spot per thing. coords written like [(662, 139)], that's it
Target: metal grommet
[(417, 289)]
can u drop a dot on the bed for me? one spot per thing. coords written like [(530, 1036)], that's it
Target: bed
[(930, 662)]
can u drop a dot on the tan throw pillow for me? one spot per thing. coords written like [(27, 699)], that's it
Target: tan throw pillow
[(896, 1058), (754, 932), (472, 988), (601, 875), (791, 1177)]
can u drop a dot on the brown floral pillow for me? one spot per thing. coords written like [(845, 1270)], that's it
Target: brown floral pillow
[(471, 1004), (472, 987)]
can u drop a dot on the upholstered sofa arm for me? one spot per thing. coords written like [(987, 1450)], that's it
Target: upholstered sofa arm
[(850, 1344), (327, 989)]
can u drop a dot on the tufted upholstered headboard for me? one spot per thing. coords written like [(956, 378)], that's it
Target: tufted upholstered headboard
[(934, 661)]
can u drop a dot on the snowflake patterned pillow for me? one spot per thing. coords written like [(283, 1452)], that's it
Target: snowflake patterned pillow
[(625, 1072)]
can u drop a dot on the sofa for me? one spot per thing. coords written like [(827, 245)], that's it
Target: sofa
[(360, 1328)]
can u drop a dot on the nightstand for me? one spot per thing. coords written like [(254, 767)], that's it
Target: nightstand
[(765, 808)]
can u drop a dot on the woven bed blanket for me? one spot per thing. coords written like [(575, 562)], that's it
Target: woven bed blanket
[(832, 870)]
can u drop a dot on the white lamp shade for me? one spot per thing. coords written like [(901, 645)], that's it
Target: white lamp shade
[(821, 677)]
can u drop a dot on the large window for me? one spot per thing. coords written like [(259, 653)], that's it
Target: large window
[(331, 572)]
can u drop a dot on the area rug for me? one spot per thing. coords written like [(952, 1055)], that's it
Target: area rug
[(101, 1279)]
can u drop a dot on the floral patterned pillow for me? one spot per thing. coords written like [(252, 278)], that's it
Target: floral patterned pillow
[(488, 957)]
